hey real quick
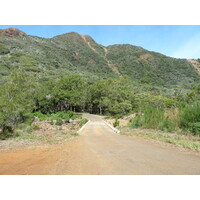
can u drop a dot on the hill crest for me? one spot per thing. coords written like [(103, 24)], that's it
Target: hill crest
[(11, 32)]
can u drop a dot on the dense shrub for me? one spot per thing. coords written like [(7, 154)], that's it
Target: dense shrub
[(187, 118), (154, 118), (190, 117), (59, 116)]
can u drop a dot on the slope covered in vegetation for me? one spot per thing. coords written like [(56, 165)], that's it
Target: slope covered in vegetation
[(73, 53)]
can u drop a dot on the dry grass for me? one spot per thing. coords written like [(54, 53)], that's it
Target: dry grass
[(39, 134), (184, 141)]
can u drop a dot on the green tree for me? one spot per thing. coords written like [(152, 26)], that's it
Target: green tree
[(70, 92), (16, 99), (113, 96)]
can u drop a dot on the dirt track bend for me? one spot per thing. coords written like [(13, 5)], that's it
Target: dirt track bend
[(99, 150)]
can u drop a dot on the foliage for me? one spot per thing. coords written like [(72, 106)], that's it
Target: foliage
[(66, 116), (116, 123), (154, 100), (112, 96), (40, 116), (3, 49), (190, 117), (194, 94), (70, 92), (59, 117), (16, 99), (23, 96), (154, 118), (64, 94), (185, 117)]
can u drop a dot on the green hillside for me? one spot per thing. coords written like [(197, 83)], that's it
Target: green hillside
[(152, 68), (73, 53)]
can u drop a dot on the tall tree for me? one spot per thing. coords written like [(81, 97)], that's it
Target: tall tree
[(16, 99)]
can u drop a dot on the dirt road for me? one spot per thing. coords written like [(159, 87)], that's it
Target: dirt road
[(99, 150)]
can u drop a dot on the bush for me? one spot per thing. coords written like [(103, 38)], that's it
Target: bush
[(190, 117), (168, 125), (59, 116), (136, 122), (195, 128), (120, 109), (40, 116), (66, 116), (154, 118), (116, 123)]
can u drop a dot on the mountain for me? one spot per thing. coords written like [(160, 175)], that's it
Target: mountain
[(74, 53)]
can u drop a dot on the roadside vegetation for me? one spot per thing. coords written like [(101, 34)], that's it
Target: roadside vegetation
[(184, 116), (178, 123), (26, 97), (185, 141)]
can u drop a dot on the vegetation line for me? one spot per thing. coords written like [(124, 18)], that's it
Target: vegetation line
[(178, 140)]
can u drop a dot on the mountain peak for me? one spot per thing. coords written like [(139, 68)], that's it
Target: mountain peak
[(11, 32)]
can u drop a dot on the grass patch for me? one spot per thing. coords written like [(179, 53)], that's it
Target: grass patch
[(75, 134), (188, 142), (82, 122)]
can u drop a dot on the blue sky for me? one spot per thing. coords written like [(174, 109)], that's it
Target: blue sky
[(176, 41)]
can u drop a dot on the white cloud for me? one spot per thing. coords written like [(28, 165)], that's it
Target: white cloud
[(191, 49)]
